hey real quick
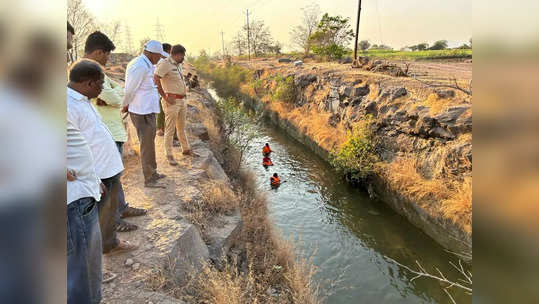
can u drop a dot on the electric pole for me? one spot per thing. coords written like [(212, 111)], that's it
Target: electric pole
[(128, 41), (159, 31), (223, 42), (357, 30), (248, 37)]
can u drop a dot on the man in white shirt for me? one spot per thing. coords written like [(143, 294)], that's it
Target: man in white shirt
[(85, 82), (142, 101)]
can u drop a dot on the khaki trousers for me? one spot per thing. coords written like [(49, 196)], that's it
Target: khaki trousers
[(145, 125), (175, 116)]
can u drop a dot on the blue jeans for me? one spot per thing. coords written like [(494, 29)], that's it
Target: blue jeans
[(122, 204), (83, 252)]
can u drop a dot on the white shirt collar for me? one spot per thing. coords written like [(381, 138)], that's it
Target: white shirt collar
[(76, 95), (145, 58)]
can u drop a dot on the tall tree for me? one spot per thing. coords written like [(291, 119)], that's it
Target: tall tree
[(332, 36), (439, 45), (261, 39), (83, 22), (364, 45), (300, 34)]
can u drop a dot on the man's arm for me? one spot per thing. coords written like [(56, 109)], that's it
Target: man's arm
[(110, 95), (157, 80), (133, 80)]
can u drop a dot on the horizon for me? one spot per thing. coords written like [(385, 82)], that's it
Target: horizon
[(378, 20)]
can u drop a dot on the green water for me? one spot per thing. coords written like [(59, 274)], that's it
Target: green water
[(347, 235)]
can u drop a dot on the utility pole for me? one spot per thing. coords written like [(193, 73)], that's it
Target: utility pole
[(128, 41), (357, 31), (248, 37), (159, 31), (223, 42)]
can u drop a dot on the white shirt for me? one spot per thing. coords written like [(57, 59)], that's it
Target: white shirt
[(140, 90), (79, 159), (83, 116), (31, 150)]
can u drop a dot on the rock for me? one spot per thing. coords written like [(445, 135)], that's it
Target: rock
[(192, 110), (272, 292), (398, 93), (129, 262), (445, 93), (135, 266), (334, 105), (200, 131), (361, 91), (334, 120), (347, 60), (441, 132), (188, 253), (285, 60), (452, 114), (222, 238), (304, 80), (214, 169), (357, 101), (298, 63), (371, 108)]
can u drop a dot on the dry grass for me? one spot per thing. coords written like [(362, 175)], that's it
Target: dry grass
[(441, 197), (438, 105)]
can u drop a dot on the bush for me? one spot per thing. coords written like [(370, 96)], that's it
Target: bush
[(284, 89), (332, 51), (357, 155)]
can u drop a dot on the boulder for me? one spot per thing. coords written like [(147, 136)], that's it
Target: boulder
[(347, 60), (200, 131), (222, 237), (371, 108), (304, 80), (398, 92), (445, 93), (361, 91), (441, 133), (298, 63), (285, 60), (213, 168)]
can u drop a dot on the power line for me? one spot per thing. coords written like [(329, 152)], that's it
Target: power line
[(159, 31)]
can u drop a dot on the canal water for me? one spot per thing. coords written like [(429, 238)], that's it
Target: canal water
[(347, 236)]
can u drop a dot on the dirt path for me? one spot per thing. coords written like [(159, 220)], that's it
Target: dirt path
[(161, 228)]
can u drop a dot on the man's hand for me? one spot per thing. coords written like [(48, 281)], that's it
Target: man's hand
[(71, 175), (101, 102), (170, 100), (125, 109), (103, 189)]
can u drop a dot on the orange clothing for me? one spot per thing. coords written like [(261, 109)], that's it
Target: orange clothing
[(267, 161), (266, 150), (275, 181)]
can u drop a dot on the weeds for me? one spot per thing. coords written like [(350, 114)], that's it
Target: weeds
[(356, 156), (284, 89)]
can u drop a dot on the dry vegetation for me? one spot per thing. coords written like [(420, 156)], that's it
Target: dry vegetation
[(273, 274), (453, 199)]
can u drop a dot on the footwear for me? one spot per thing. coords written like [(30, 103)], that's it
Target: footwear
[(175, 143), (153, 184), (132, 211), (171, 161), (123, 226), (190, 153), (160, 132), (157, 176), (123, 247)]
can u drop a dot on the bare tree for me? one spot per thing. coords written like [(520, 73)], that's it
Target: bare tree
[(301, 33), (239, 43), (112, 30), (83, 22), (261, 40)]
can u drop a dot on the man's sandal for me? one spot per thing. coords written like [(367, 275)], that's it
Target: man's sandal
[(132, 211), (123, 247), (123, 226)]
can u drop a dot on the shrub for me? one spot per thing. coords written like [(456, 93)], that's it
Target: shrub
[(357, 155), (284, 89)]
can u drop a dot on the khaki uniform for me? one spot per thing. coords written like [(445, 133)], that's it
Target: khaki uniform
[(175, 114)]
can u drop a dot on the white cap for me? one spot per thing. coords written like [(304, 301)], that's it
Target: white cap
[(165, 54), (154, 46)]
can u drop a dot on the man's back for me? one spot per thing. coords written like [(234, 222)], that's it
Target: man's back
[(140, 90)]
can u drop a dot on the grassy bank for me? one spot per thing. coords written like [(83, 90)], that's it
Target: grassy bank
[(419, 55)]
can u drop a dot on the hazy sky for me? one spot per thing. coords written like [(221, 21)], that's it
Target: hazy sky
[(197, 24)]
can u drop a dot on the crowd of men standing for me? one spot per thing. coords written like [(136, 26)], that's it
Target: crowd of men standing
[(96, 133)]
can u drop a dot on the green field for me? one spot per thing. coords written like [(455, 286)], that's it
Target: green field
[(418, 55)]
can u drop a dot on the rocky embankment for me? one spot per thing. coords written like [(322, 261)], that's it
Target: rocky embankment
[(423, 136), (172, 249)]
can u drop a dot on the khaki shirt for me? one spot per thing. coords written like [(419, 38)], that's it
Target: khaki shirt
[(171, 76)]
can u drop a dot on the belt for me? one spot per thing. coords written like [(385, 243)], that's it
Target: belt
[(177, 96)]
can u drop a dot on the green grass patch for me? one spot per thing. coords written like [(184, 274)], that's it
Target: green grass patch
[(284, 89), (419, 55)]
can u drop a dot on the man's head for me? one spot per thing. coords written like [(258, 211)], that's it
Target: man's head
[(98, 47), (70, 33), (153, 49), (86, 77), (275, 175), (267, 145), (167, 47), (177, 53)]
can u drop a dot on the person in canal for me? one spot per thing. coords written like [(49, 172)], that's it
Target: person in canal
[(266, 150), (275, 181), (266, 162)]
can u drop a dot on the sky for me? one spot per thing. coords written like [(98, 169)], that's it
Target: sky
[(198, 24)]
